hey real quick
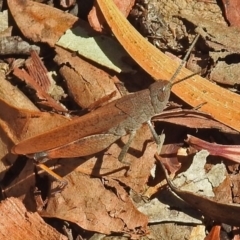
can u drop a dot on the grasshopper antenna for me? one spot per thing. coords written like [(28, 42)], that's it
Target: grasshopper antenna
[(169, 86), (182, 63)]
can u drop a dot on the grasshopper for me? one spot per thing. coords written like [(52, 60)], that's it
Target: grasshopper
[(97, 130)]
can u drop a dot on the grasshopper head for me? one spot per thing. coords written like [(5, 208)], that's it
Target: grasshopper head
[(159, 93)]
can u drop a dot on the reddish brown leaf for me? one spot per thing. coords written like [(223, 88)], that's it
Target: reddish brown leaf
[(230, 152), (192, 119), (91, 205), (40, 22), (140, 157), (86, 82), (168, 157), (20, 124), (232, 12), (219, 212), (17, 223)]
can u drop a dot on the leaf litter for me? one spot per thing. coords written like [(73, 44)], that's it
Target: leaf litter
[(104, 195)]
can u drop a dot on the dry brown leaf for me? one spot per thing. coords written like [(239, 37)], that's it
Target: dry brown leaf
[(232, 9), (219, 212), (86, 82), (17, 223), (168, 157), (192, 119), (40, 22), (97, 206), (20, 124), (13, 96), (22, 185)]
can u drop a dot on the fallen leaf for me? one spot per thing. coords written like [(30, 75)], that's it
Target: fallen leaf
[(97, 206), (34, 21), (230, 152), (86, 83), (219, 212), (13, 96), (106, 163), (17, 223), (191, 119), (232, 12), (95, 47), (197, 180), (20, 124)]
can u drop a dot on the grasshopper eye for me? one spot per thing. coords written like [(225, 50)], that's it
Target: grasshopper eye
[(162, 94)]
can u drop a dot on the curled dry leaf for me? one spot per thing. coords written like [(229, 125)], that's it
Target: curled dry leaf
[(230, 152), (192, 119), (219, 212), (168, 157), (40, 22), (95, 207), (86, 82), (17, 223)]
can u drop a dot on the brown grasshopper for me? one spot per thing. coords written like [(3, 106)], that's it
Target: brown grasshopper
[(97, 130)]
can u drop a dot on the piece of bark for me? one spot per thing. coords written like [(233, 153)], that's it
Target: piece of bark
[(45, 98), (38, 71)]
